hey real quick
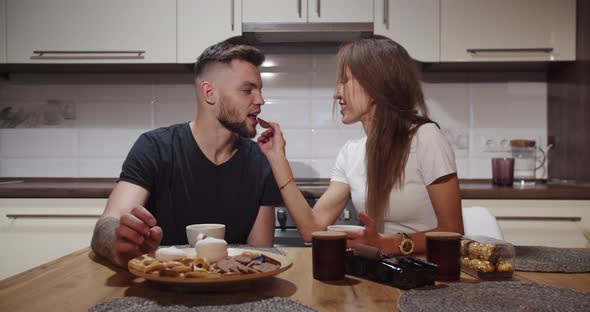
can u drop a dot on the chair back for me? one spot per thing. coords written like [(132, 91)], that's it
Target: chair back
[(480, 221)]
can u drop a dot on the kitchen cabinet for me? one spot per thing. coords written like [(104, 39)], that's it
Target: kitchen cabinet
[(415, 24), (340, 11), (202, 23), (273, 11), (308, 11), (2, 31), (88, 31), (507, 30), (554, 223), (37, 230)]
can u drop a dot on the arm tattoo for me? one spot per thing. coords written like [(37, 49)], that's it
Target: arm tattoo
[(103, 238)]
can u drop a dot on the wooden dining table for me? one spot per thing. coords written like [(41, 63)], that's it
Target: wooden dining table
[(80, 280)]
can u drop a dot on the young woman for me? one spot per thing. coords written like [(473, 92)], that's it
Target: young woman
[(401, 177)]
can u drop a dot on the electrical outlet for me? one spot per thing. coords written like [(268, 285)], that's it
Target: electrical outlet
[(496, 143), (493, 144)]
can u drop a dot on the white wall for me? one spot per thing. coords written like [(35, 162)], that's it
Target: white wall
[(477, 111)]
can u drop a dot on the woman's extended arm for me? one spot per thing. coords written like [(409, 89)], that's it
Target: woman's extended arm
[(328, 207)]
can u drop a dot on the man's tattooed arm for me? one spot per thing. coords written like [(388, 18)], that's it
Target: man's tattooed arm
[(103, 238)]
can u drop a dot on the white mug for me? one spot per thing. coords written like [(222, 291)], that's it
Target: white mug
[(197, 232), (348, 229)]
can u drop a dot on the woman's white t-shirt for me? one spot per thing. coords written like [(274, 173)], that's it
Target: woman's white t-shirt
[(409, 209)]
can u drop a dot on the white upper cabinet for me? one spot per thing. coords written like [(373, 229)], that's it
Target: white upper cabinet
[(415, 24), (340, 11), (91, 31), (275, 11), (508, 30), (202, 23), (2, 31), (308, 11)]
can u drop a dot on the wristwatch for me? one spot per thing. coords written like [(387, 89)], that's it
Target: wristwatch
[(406, 246)]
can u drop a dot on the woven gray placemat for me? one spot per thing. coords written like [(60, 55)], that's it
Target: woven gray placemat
[(494, 296), (129, 304), (550, 259), (265, 249)]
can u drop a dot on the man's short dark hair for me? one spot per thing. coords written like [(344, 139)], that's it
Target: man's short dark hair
[(227, 51)]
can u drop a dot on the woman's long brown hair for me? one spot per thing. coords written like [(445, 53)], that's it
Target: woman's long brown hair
[(391, 78)]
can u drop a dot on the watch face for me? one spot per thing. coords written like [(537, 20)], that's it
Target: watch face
[(407, 246)]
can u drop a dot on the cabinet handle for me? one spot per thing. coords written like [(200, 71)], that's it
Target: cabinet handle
[(12, 182), (299, 8), (569, 219), (386, 13), (72, 55), (545, 50), (317, 7), (232, 15), (51, 216)]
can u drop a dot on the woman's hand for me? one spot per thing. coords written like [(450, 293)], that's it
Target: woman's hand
[(272, 142), (369, 236)]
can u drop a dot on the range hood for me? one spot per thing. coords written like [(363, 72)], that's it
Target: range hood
[(309, 32)]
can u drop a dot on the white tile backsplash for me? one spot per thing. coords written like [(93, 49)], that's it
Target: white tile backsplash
[(298, 143), (112, 110), (517, 105), (448, 103), (285, 85), (20, 92), (170, 111), (302, 168), (325, 60), (101, 167), (288, 62), (107, 142), (115, 113), (462, 164), (480, 168), (180, 91), (123, 92), (288, 113), (326, 143), (323, 83), (323, 167), (324, 114), (39, 167), (38, 143)]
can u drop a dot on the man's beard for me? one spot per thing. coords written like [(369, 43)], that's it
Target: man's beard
[(241, 128)]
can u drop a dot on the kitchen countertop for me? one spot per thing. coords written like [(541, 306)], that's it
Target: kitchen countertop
[(102, 187)]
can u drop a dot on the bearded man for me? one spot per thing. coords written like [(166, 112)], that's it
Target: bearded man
[(207, 170)]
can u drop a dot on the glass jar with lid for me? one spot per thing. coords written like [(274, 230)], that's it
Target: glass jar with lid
[(524, 153)]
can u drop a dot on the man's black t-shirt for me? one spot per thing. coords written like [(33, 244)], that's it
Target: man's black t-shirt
[(186, 188)]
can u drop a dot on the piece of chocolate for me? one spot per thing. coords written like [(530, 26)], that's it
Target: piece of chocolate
[(270, 260), (242, 259), (263, 123), (265, 267)]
